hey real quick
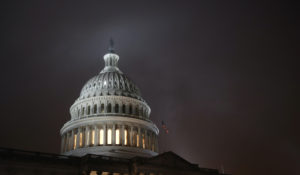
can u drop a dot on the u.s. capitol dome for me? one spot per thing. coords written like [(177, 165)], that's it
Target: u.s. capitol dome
[(110, 117)]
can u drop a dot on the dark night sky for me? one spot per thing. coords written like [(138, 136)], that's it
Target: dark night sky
[(221, 74)]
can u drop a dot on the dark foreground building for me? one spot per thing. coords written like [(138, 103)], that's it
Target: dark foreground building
[(110, 132), (18, 162)]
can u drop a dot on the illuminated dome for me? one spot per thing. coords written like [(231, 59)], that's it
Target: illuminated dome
[(110, 117), (110, 82)]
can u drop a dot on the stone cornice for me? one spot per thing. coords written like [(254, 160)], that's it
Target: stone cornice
[(111, 119), (123, 99)]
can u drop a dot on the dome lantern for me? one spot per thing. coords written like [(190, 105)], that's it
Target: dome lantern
[(111, 59)]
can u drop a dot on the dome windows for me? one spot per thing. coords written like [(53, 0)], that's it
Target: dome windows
[(130, 109), (117, 108), (82, 111), (123, 109), (113, 107), (88, 110), (109, 108)]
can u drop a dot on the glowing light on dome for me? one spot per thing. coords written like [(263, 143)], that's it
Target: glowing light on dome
[(125, 136), (101, 137), (93, 137), (109, 136)]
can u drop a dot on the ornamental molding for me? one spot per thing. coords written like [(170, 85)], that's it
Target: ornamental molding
[(109, 120), (107, 99)]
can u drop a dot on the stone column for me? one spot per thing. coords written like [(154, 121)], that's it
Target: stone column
[(62, 143), (153, 142), (72, 140), (87, 136), (114, 134), (104, 135), (96, 143), (131, 136), (123, 135), (156, 143), (127, 108), (146, 138), (78, 138), (140, 138), (105, 107), (150, 141), (67, 142), (91, 136)]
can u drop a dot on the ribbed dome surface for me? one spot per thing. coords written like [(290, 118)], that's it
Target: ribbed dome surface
[(110, 83)]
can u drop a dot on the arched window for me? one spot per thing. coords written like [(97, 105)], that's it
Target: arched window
[(117, 136), (102, 108), (101, 137), (123, 109), (88, 110), (95, 109), (117, 108), (130, 109), (109, 108), (109, 138), (137, 111), (82, 111)]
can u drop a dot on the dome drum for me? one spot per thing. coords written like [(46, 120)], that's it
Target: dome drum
[(110, 105), (115, 134)]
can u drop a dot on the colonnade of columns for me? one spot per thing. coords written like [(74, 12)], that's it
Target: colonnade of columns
[(109, 135)]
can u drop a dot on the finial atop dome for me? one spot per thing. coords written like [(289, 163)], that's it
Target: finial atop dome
[(111, 59), (111, 48)]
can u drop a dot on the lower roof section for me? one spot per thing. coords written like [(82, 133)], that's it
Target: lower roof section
[(112, 151), (14, 161)]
